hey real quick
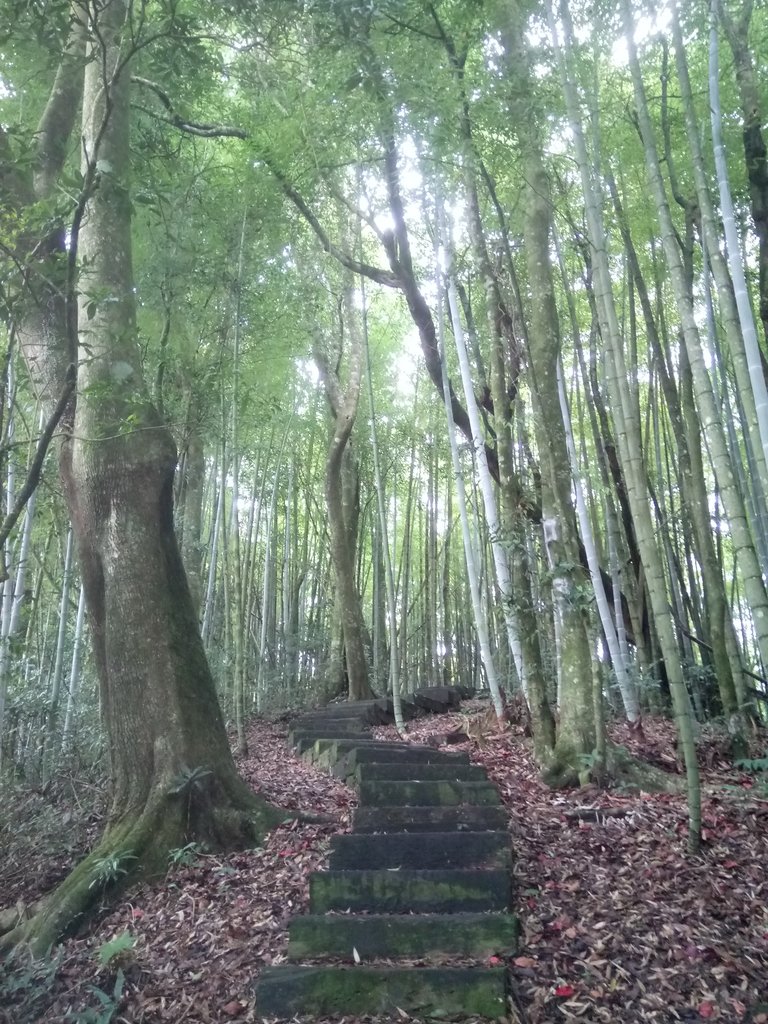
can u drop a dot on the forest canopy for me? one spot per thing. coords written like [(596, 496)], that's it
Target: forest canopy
[(355, 346)]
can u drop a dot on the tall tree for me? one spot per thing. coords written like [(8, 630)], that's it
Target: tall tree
[(173, 774)]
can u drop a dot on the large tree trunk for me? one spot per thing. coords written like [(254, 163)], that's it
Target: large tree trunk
[(341, 498), (173, 775)]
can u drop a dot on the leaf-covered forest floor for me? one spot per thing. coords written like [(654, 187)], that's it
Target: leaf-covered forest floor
[(619, 925)]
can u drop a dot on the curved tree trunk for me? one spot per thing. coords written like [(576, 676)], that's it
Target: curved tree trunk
[(576, 734), (174, 778), (341, 503)]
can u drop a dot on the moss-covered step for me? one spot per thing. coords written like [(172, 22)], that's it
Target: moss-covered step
[(349, 724), (437, 698), (425, 851), (404, 892), (428, 992), (461, 818), (438, 792), (392, 771), (373, 712), (328, 751), (392, 753), (304, 738), (376, 936)]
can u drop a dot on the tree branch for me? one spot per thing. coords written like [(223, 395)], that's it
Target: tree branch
[(35, 469), (205, 131), (377, 274)]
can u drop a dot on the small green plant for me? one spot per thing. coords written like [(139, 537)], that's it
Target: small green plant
[(753, 764), (188, 782), (184, 856), (115, 948), (189, 779), (108, 870), (108, 1004), (26, 982)]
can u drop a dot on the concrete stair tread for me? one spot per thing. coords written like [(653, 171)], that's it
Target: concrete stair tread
[(420, 851), (287, 991), (392, 935), (324, 722), (335, 747), (383, 891), (401, 753), (458, 818), (442, 792), (437, 698), (296, 736), (416, 772)]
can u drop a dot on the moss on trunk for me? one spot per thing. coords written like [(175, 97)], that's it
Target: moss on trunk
[(223, 816), (569, 768)]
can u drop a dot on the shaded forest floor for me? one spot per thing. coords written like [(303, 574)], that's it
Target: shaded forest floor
[(618, 924)]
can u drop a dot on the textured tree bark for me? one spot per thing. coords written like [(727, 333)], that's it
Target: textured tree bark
[(524, 634), (576, 733), (173, 775), (755, 151), (342, 502), (627, 428)]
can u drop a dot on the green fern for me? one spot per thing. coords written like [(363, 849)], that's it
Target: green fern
[(189, 779), (117, 946)]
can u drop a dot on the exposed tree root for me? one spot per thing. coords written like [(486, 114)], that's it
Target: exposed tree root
[(136, 847), (621, 769)]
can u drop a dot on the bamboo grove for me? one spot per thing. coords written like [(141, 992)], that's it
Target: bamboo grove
[(456, 314)]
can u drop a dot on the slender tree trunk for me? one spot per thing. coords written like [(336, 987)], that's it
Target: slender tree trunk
[(628, 432), (74, 675), (708, 411), (473, 582), (383, 546), (576, 733), (755, 151)]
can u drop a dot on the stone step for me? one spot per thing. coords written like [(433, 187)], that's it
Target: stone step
[(393, 753), (306, 737), (394, 935), (464, 692), (443, 793), (460, 818), (287, 991), (394, 772), (348, 724), (467, 692), (328, 751), (423, 851), (405, 753), (437, 698), (374, 712), (450, 891)]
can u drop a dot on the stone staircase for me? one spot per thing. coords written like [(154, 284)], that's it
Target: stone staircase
[(424, 876)]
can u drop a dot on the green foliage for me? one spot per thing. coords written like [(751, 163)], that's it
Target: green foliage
[(109, 870), (115, 948), (753, 764), (184, 856), (189, 780), (590, 760), (108, 1004), (26, 982)]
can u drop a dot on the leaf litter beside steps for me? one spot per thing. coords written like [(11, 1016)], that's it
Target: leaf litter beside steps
[(619, 926)]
